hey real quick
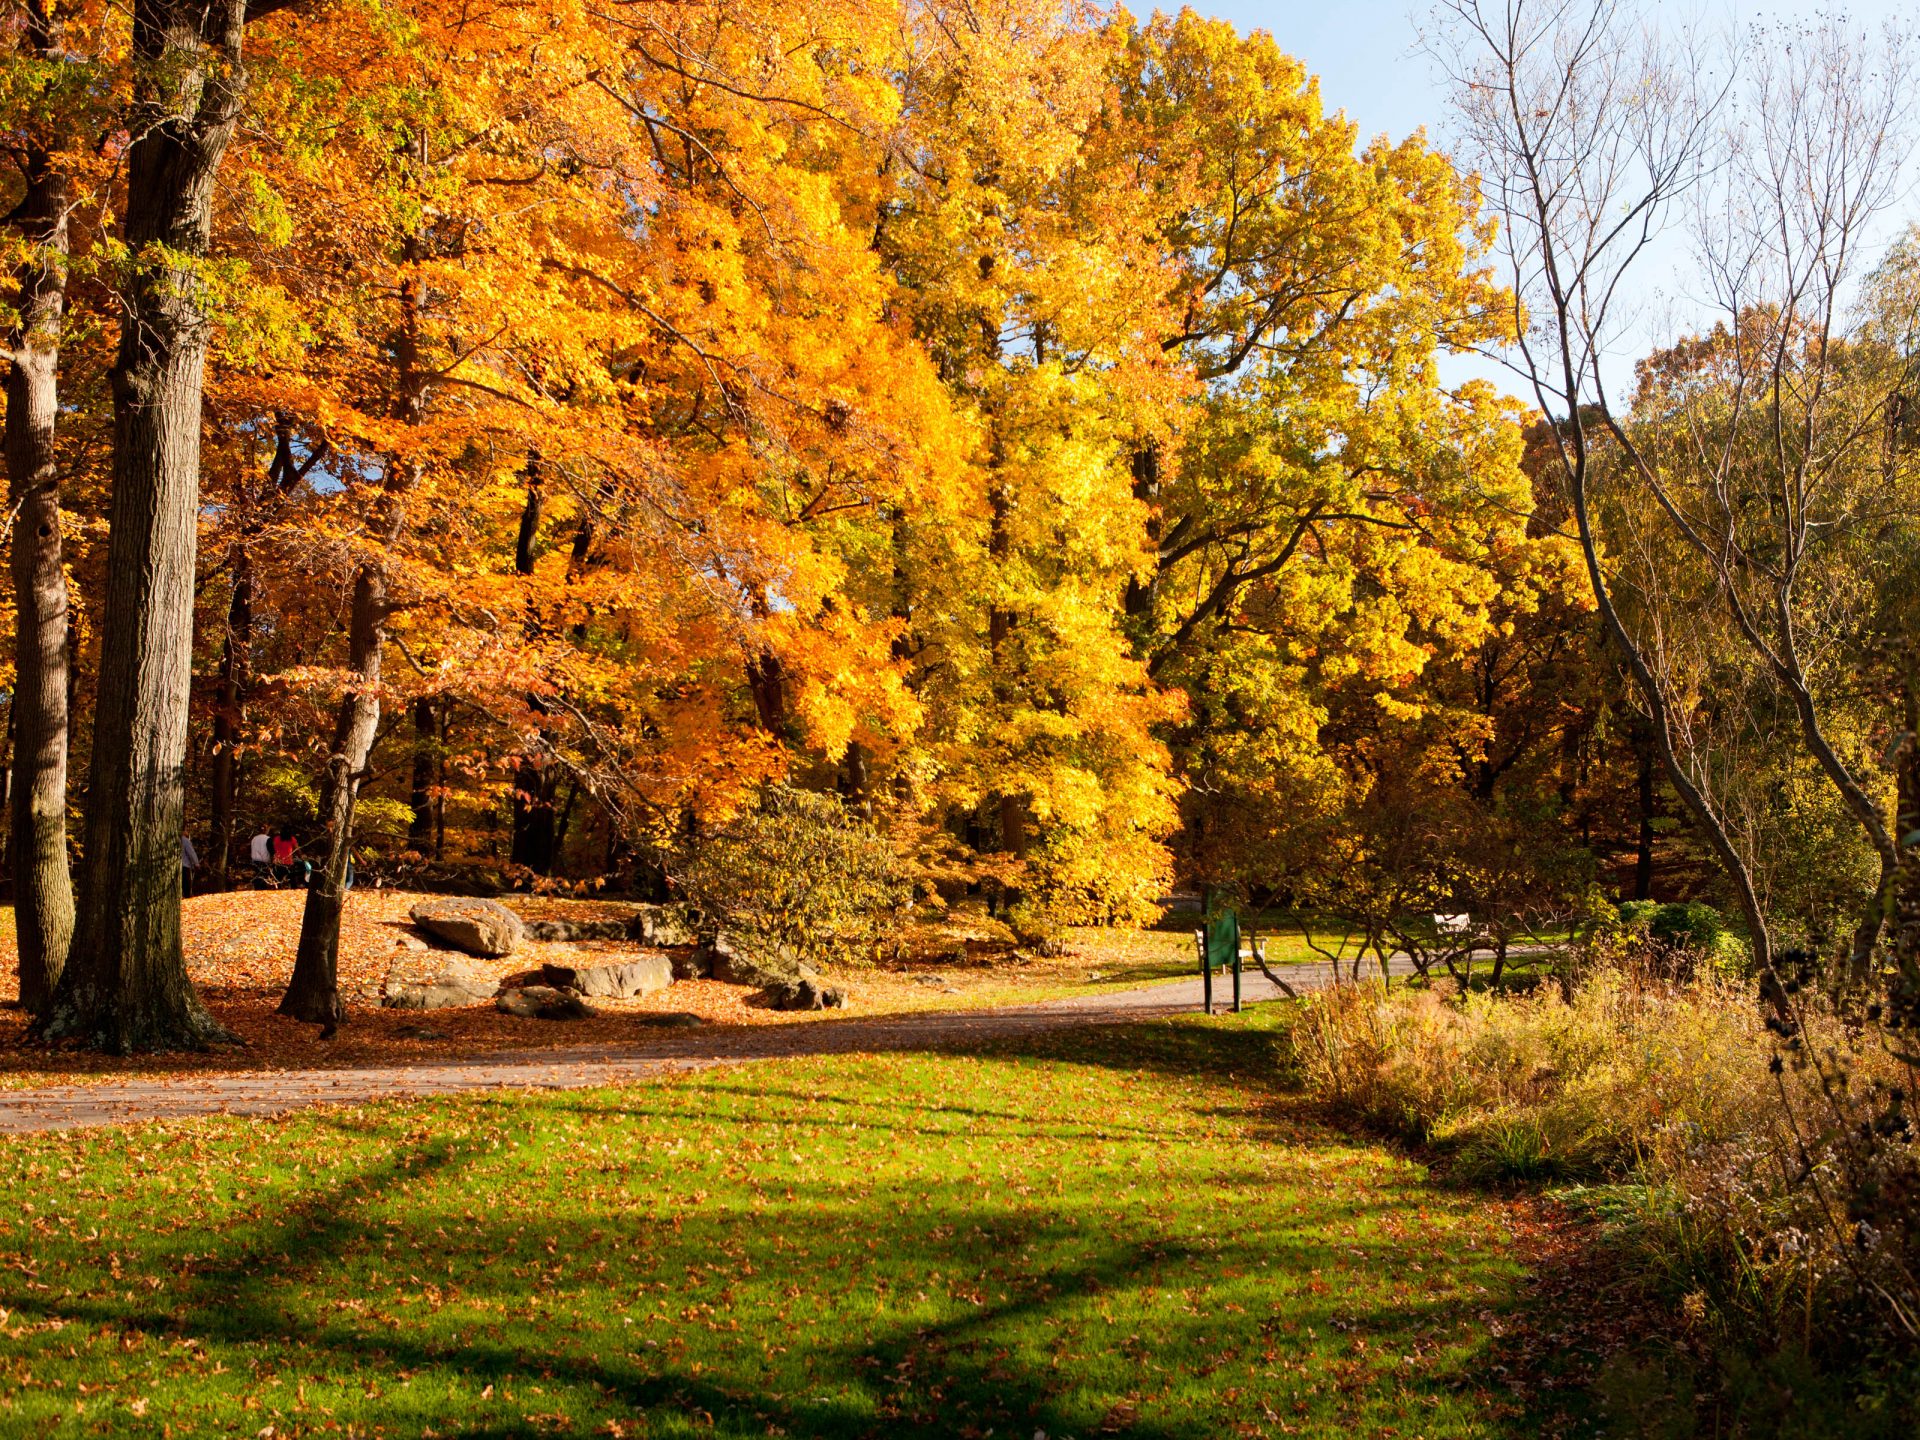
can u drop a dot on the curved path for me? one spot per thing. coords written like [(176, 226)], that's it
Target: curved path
[(111, 1102)]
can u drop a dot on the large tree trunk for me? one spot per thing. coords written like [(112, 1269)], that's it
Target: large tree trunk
[(125, 985), (535, 835), (43, 891), (313, 994)]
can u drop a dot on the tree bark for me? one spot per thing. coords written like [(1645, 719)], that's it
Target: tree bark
[(1142, 594), (426, 744), (535, 839), (43, 889), (229, 699), (125, 986), (313, 994), (533, 842)]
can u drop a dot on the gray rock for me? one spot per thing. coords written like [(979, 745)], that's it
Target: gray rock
[(665, 925), (662, 925), (808, 992), (692, 964), (551, 930), (453, 986), (543, 1002), (409, 942), (784, 981), (616, 978), (479, 927), (740, 960)]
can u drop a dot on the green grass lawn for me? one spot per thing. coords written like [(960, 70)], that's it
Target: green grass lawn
[(1130, 1231)]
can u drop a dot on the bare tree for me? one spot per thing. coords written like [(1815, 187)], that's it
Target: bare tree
[(1598, 136)]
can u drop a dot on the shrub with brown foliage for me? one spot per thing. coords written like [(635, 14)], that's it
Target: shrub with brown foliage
[(1782, 1178)]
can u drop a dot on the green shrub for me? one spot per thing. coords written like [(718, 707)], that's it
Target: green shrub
[(1672, 938), (1691, 926), (1637, 914), (1688, 925), (801, 872)]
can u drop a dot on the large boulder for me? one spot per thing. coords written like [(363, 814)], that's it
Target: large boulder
[(479, 927), (738, 959), (695, 963), (807, 991), (616, 978), (543, 1002), (454, 985), (784, 981)]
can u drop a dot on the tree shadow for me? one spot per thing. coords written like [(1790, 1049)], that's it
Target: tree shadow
[(928, 1306)]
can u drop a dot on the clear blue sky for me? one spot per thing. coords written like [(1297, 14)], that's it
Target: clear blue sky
[(1371, 64), (1368, 57)]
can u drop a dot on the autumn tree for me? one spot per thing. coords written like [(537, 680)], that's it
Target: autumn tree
[(47, 96), (125, 986)]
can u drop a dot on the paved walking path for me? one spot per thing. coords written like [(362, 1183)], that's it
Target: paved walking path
[(110, 1102)]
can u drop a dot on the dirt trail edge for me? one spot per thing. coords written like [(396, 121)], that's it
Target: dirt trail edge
[(68, 1107)]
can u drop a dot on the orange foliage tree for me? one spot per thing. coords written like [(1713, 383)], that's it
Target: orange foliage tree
[(1000, 414)]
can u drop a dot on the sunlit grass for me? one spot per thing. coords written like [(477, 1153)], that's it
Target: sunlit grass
[(1129, 1231)]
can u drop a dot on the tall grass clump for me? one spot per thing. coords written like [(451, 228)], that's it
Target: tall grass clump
[(1548, 1084), (1778, 1173)]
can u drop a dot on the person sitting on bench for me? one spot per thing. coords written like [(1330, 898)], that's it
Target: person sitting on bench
[(260, 856), (287, 864)]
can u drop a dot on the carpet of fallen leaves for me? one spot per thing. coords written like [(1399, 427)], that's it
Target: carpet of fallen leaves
[(1128, 1231), (240, 947)]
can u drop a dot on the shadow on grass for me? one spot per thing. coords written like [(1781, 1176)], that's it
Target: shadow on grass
[(927, 1284)]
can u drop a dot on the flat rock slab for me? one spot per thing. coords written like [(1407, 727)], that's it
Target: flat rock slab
[(563, 930), (479, 927), (613, 979), (662, 925), (808, 992), (451, 987)]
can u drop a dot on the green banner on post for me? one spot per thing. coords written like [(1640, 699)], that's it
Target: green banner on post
[(1223, 939)]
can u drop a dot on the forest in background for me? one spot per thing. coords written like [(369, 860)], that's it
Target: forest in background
[(1025, 421)]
